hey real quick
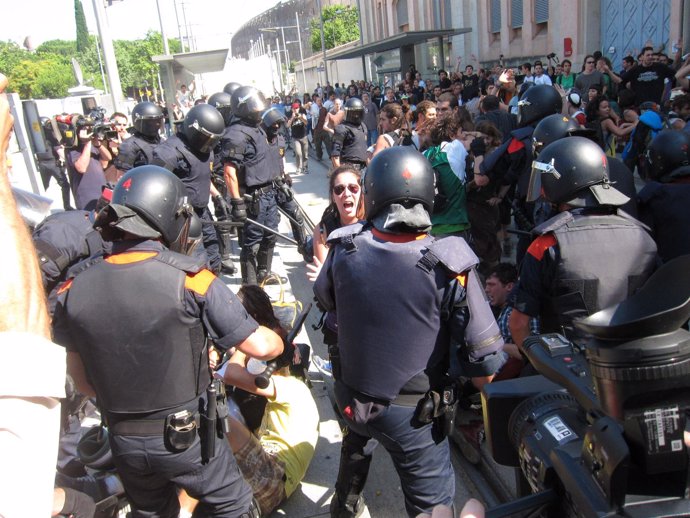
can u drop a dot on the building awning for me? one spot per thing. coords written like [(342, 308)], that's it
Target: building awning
[(196, 62), (394, 42)]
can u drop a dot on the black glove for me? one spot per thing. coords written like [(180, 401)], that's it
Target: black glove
[(287, 179), (478, 146), (239, 209), (222, 210)]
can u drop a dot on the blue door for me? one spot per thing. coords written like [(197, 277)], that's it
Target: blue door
[(627, 24)]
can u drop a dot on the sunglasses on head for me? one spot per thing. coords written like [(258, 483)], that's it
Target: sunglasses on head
[(339, 189)]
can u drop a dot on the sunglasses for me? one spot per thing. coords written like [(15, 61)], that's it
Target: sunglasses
[(589, 62), (339, 189)]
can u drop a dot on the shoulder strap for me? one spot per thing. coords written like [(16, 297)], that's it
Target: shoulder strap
[(345, 236), (182, 262), (559, 220), (452, 252)]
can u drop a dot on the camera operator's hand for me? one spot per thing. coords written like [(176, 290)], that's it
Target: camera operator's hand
[(239, 209)]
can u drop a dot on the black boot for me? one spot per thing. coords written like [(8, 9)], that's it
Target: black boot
[(347, 501), (248, 265)]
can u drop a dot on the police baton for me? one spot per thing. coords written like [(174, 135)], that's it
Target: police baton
[(222, 224)]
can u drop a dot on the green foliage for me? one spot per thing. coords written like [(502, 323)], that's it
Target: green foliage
[(42, 78), (48, 71), (82, 28), (340, 26)]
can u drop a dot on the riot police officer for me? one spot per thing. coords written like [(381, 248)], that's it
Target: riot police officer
[(231, 87), (151, 380), (510, 163), (147, 120), (588, 256), (558, 126), (394, 355), (273, 123), (221, 101), (665, 200), (249, 173), (349, 143), (189, 155)]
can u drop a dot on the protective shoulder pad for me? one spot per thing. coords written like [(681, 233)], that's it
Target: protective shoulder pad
[(523, 133), (631, 219), (82, 266), (182, 262), (452, 252), (340, 234), (558, 221)]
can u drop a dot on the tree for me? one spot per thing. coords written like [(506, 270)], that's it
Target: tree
[(340, 26), (82, 28)]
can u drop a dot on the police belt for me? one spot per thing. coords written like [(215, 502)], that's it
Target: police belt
[(151, 424), (261, 189)]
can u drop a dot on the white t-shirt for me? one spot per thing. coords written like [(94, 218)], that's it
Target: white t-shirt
[(543, 79)]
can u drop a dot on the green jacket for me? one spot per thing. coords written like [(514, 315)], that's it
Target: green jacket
[(450, 183)]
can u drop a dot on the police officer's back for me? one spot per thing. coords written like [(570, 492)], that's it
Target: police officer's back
[(349, 145), (147, 120), (588, 256), (401, 297), (665, 200), (135, 326)]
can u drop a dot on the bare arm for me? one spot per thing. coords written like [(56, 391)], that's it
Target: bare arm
[(236, 374), (610, 126), (75, 368), (262, 344), (519, 326), (105, 155), (81, 164), (381, 144), (230, 174)]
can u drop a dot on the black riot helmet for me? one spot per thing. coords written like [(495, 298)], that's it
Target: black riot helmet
[(272, 120), (669, 156), (555, 127), (147, 118), (538, 102), (573, 170), (231, 87), (221, 102), (149, 202), (248, 104), (203, 127), (354, 110), (398, 174)]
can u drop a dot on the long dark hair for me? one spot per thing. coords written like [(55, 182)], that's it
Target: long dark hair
[(331, 211)]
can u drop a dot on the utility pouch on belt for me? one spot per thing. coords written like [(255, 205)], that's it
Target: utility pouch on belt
[(439, 406), (180, 430)]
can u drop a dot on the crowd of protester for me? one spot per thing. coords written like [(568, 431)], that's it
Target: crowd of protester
[(457, 120)]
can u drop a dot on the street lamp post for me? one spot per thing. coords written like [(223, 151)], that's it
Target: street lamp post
[(301, 56), (108, 53), (323, 43)]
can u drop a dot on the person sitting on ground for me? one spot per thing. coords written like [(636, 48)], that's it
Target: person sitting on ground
[(275, 460)]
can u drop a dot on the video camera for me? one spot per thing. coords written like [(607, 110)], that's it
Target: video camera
[(603, 435)]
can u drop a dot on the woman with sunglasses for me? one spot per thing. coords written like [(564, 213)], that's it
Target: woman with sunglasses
[(346, 208)]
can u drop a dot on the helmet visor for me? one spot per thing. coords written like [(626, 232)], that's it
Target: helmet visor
[(207, 141), (534, 191)]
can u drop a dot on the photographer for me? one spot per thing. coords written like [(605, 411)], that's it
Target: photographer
[(86, 165)]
